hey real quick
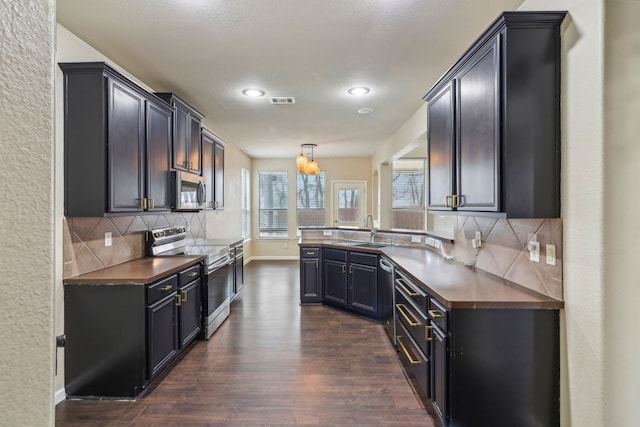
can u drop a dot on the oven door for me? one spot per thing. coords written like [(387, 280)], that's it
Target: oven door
[(215, 296)]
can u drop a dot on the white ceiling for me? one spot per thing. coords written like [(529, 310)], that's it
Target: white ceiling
[(207, 51)]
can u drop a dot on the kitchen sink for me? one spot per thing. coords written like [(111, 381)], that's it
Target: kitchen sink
[(372, 245)]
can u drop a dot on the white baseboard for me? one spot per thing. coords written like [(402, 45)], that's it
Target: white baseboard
[(59, 396), (273, 258)]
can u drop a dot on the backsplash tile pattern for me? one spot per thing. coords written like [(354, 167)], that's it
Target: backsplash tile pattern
[(83, 238), (504, 251)]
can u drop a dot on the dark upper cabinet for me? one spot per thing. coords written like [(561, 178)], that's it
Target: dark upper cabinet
[(494, 122), (187, 151), (213, 169), (117, 139)]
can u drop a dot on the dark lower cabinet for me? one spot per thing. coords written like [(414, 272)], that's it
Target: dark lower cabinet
[(310, 282), (189, 312), (121, 337), (335, 282), (162, 337), (363, 284)]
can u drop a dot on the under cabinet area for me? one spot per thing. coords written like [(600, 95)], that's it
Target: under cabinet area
[(117, 143), (122, 336), (494, 122)]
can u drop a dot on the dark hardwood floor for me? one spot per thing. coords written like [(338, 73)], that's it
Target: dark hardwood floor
[(271, 363)]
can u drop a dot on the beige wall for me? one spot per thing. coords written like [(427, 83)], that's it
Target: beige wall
[(356, 168), (26, 176), (621, 283)]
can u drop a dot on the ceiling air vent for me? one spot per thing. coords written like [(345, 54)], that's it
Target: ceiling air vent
[(282, 100)]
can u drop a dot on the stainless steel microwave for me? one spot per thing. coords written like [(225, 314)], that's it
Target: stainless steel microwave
[(189, 191)]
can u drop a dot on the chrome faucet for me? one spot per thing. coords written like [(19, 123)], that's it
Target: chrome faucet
[(373, 232)]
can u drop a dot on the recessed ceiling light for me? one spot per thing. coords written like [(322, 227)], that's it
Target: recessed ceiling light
[(365, 110), (358, 91), (254, 93)]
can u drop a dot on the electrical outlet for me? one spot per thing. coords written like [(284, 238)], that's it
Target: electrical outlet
[(416, 239), (477, 242), (551, 254), (326, 233), (534, 251), (107, 238)]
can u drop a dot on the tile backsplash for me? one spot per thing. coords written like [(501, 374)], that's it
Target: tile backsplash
[(84, 242), (504, 251)]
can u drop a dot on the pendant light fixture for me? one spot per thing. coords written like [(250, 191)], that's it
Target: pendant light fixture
[(304, 165)]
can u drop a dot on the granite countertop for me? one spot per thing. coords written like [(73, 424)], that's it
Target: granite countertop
[(450, 282), (137, 272)]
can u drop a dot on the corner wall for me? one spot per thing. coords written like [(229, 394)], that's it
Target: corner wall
[(27, 249)]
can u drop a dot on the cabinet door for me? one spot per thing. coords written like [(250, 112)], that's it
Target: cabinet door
[(441, 133), (181, 127), (335, 282), (158, 157), (194, 146), (162, 336), (439, 372), (363, 284), (310, 291), (190, 313), (219, 176), (126, 148), (208, 169), (478, 139)]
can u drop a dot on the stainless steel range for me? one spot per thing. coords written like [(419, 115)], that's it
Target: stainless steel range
[(170, 241)]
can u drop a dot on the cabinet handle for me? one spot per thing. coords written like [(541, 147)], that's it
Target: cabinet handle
[(193, 274), (436, 314), (144, 203), (184, 296), (152, 203), (215, 204), (447, 203), (316, 264), (311, 253), (403, 311), (344, 269), (403, 286), (426, 333), (179, 300), (166, 288), (406, 352)]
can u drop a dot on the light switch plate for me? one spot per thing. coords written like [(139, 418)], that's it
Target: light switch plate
[(326, 233), (107, 238), (416, 239), (551, 254)]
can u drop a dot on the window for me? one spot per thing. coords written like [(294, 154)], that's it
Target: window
[(310, 192), (273, 205), (408, 209), (246, 203)]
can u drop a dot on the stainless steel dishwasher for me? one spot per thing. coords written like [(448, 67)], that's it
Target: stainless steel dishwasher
[(385, 281)]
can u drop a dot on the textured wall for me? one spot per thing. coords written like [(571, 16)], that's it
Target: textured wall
[(26, 191)]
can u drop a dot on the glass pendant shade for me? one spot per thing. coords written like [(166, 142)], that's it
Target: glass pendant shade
[(312, 168), (301, 163)]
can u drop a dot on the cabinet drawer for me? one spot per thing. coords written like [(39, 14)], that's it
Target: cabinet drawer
[(160, 289), (335, 254), (188, 275), (411, 291), (310, 252), (414, 321), (438, 313), (415, 362), (362, 258)]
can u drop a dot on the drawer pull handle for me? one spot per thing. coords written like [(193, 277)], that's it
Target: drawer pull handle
[(184, 296), (166, 288), (403, 286), (447, 203), (179, 300), (436, 314), (316, 264), (344, 269), (193, 274), (311, 253), (426, 333), (402, 309), (406, 352)]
